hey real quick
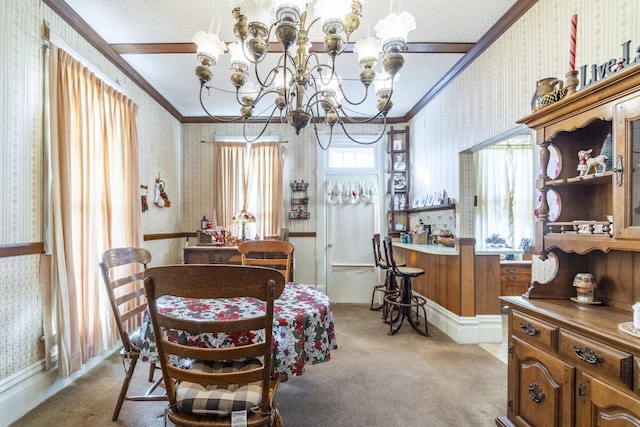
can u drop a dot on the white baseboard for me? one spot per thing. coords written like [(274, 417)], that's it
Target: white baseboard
[(465, 330), (27, 388)]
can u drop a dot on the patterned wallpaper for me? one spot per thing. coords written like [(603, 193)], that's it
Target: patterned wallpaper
[(22, 154), (484, 101)]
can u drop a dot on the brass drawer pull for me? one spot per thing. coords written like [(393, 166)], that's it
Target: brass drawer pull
[(529, 329), (535, 393), (587, 355)]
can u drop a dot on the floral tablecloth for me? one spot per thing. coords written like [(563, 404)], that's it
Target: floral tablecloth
[(303, 329)]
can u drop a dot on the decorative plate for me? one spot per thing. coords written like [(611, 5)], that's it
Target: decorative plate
[(555, 162), (400, 166), (555, 205), (399, 181)]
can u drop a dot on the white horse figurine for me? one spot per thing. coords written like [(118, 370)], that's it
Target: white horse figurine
[(587, 163)]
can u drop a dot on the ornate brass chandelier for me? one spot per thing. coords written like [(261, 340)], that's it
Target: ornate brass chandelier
[(303, 88)]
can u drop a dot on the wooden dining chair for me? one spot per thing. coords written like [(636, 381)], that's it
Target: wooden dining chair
[(219, 381), (122, 272), (276, 254)]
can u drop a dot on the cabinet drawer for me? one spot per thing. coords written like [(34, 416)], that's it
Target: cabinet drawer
[(514, 274), (597, 357), (534, 331)]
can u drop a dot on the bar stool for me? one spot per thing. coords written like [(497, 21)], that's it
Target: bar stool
[(389, 286), (403, 301)]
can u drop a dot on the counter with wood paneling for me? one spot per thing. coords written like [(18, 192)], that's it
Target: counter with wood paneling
[(462, 285)]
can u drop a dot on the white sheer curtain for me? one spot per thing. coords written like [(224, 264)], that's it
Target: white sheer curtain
[(504, 182)]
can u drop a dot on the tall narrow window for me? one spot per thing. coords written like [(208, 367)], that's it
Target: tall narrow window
[(250, 176)]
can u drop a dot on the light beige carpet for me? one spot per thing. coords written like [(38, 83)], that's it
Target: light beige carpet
[(373, 379)]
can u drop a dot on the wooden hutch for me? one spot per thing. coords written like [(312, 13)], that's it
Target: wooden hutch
[(569, 363)]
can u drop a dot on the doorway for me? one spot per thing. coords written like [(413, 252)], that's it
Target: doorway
[(348, 184)]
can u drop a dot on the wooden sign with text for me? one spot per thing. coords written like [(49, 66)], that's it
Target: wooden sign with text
[(600, 72)]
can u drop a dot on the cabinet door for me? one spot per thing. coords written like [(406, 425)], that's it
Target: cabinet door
[(626, 165), (540, 392), (599, 404)]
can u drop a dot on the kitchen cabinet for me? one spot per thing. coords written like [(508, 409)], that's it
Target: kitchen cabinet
[(515, 277)]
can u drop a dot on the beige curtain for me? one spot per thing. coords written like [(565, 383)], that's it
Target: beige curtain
[(94, 202), (249, 176), (230, 180), (266, 162)]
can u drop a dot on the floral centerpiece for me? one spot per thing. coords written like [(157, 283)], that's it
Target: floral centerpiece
[(243, 217)]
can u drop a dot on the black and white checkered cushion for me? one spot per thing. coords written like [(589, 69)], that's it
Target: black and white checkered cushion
[(219, 400)]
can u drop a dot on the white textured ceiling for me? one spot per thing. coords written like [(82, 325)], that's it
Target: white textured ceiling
[(175, 21)]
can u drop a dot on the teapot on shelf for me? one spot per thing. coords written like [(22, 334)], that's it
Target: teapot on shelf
[(544, 87)]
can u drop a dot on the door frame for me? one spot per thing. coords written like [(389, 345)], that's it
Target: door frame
[(321, 205)]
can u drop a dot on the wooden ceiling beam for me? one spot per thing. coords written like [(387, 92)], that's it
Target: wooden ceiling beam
[(190, 48)]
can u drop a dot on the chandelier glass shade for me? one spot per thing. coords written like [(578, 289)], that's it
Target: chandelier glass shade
[(304, 87)]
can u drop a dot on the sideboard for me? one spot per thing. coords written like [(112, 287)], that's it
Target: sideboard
[(211, 255)]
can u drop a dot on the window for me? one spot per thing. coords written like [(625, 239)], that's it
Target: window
[(354, 157), (249, 176), (504, 178)]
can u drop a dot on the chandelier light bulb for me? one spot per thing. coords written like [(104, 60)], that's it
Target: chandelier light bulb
[(209, 46), (331, 10), (258, 11), (394, 29), (368, 48), (237, 55)]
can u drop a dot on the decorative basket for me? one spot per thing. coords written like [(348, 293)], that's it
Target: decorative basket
[(551, 97), (420, 239)]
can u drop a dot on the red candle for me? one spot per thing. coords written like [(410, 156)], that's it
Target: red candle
[(572, 44)]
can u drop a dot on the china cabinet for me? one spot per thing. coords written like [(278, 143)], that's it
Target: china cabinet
[(399, 178), (571, 363)]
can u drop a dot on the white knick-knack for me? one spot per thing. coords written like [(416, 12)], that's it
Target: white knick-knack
[(636, 315)]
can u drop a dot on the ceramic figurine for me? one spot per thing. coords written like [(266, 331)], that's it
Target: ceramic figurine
[(587, 164)]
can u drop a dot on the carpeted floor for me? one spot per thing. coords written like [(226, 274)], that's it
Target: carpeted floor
[(372, 380)]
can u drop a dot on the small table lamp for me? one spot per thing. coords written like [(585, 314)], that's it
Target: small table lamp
[(243, 217)]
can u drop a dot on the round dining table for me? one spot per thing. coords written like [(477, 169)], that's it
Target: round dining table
[(303, 327)]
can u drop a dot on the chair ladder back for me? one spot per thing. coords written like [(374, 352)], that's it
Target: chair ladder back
[(126, 292), (276, 254), (211, 281)]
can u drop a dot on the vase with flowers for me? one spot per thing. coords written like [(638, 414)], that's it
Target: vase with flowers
[(242, 218)]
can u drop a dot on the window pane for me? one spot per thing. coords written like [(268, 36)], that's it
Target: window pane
[(352, 158)]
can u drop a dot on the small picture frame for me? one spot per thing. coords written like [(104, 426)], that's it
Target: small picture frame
[(398, 145)]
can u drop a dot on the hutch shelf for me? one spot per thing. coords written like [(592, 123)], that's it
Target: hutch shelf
[(399, 178), (570, 363)]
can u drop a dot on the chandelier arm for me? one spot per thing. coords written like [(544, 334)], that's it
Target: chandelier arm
[(271, 75), (262, 94), (264, 128), (350, 119), (315, 131), (319, 66), (212, 115), (378, 138), (349, 101)]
